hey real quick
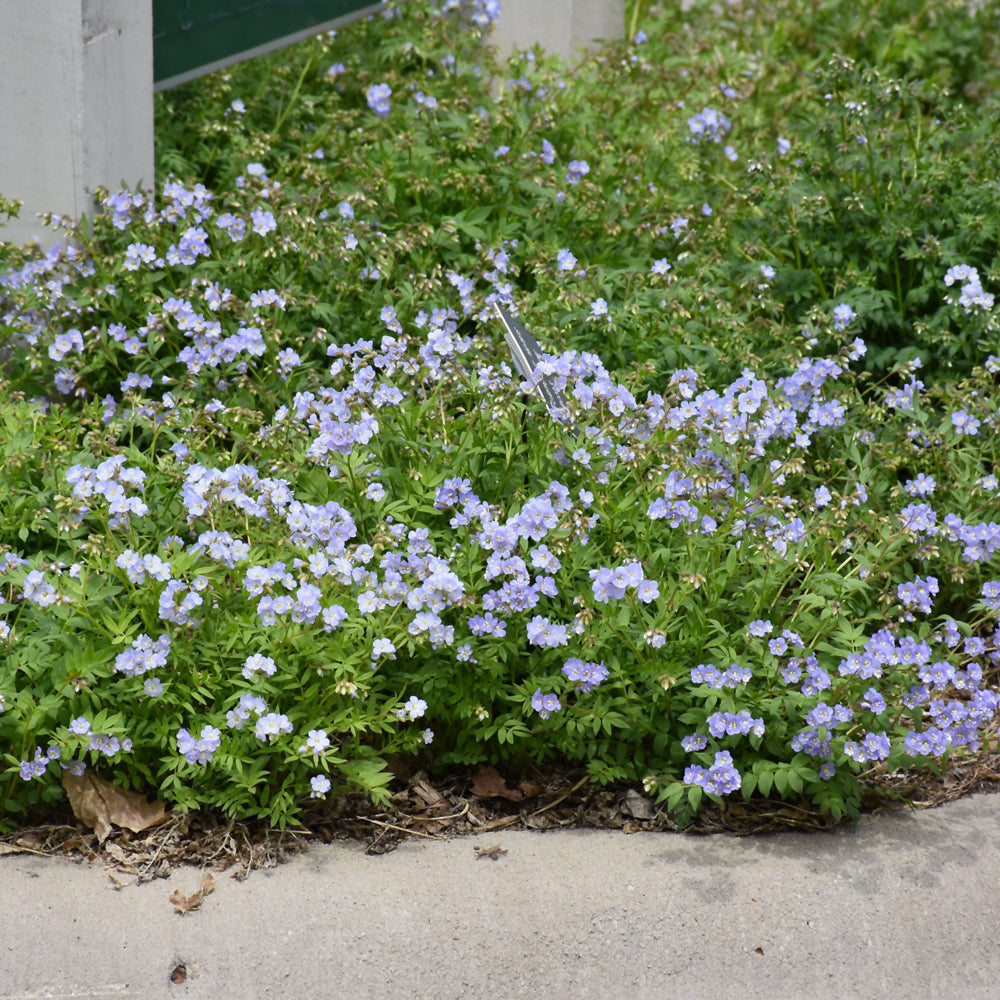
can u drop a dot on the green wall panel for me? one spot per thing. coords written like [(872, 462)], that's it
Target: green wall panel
[(193, 37)]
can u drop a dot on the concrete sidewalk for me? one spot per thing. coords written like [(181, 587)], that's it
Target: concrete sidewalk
[(905, 905)]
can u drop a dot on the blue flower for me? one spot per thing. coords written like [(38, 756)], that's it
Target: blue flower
[(707, 673), (577, 169), (873, 701), (599, 308), (232, 226), (917, 594), (256, 665), (991, 595), (378, 98), (320, 785), (271, 725), (921, 486), (317, 742), (694, 742), (263, 221), (545, 704), (964, 423), (587, 675), (842, 316), (202, 750), (413, 709), (708, 125), (565, 260), (542, 632), (287, 360), (720, 779)]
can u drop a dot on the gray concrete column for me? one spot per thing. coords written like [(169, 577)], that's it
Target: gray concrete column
[(562, 27), (76, 105)]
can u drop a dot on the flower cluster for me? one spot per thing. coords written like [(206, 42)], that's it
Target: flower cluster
[(708, 673), (378, 98), (587, 675), (112, 480), (201, 750), (721, 778), (545, 704), (972, 298), (143, 655), (708, 125), (734, 724), (613, 583)]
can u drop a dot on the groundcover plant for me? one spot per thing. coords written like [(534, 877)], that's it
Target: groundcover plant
[(276, 504)]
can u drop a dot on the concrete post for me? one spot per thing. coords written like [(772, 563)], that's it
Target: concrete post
[(76, 105), (561, 27)]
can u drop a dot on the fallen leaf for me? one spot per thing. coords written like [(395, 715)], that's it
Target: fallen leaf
[(531, 789), (427, 792), (185, 904), (493, 852), (116, 851), (31, 842), (101, 805), (637, 805), (116, 882), (488, 784), (498, 823)]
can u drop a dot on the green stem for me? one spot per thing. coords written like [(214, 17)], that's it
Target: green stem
[(294, 95)]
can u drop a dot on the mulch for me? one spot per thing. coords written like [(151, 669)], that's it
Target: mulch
[(463, 804)]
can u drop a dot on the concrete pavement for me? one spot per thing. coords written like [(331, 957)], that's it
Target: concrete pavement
[(905, 905)]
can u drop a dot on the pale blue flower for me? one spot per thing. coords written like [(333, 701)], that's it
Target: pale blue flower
[(565, 260), (545, 704), (320, 785), (842, 316), (414, 708), (378, 95)]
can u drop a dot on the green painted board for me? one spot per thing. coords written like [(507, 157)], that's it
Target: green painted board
[(195, 37)]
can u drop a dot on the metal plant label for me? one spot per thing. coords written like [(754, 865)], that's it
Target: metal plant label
[(527, 354)]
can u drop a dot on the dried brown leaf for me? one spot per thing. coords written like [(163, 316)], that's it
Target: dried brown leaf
[(185, 904), (118, 853), (427, 792), (637, 805), (101, 805), (492, 852), (488, 784), (530, 788)]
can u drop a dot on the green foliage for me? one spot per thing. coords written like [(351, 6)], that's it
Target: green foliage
[(276, 389), (891, 187)]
